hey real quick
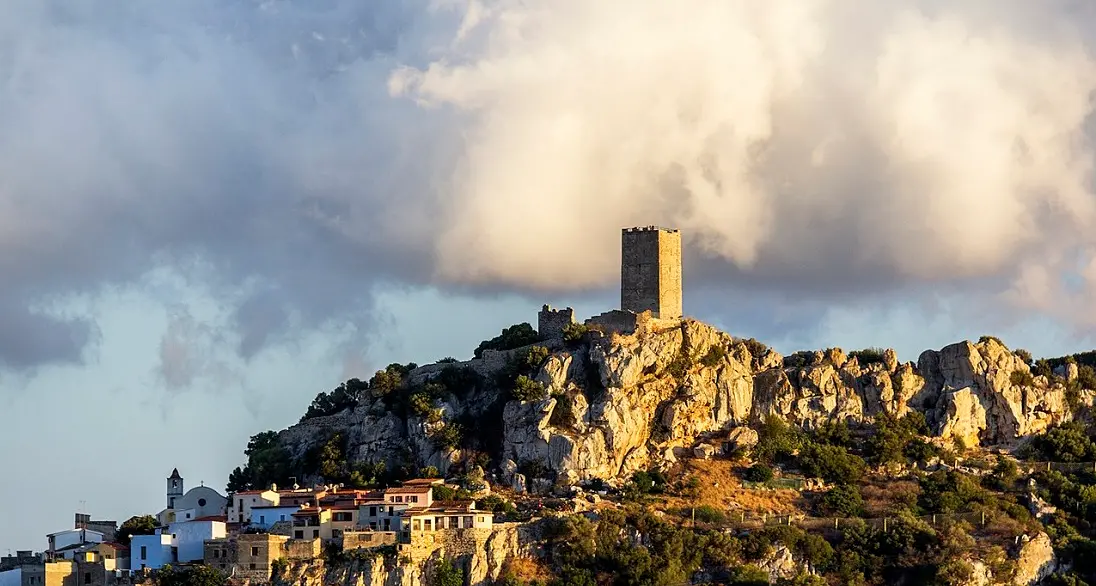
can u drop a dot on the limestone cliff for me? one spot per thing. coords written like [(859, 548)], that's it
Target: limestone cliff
[(619, 403), (482, 554)]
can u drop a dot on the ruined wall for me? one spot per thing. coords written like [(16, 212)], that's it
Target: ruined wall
[(551, 322), (650, 271)]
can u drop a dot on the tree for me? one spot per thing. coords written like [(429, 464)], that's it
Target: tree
[(759, 473), (137, 525), (268, 462), (446, 573)]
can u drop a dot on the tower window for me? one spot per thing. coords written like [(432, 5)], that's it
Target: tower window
[(201, 502)]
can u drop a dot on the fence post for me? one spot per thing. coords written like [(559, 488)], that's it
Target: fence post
[(983, 518), (884, 524), (835, 522), (934, 519)]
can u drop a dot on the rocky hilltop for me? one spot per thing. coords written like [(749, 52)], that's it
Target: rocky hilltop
[(602, 405)]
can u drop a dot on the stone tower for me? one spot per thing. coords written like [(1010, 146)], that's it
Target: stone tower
[(650, 271), (174, 488)]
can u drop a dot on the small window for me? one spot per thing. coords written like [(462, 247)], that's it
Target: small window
[(315, 533), (252, 566), (216, 554), (201, 502), (262, 519), (298, 534), (254, 551), (87, 578), (144, 553)]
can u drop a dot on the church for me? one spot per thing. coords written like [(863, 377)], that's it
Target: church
[(196, 503)]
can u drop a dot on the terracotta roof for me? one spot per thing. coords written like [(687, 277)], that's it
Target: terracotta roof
[(220, 518), (252, 491), (307, 512), (408, 490), (423, 481)]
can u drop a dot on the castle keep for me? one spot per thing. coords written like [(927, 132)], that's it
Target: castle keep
[(650, 285), (650, 271)]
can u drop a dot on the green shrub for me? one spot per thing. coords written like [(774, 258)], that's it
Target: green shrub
[(714, 356), (446, 573), (1086, 377), (448, 360), (756, 349), (1068, 442), (1042, 367), (708, 514), (843, 500), (574, 332), (447, 436), (758, 473), (869, 356), (515, 336), (1021, 378), (832, 463), (649, 482), (563, 414), (527, 389), (1023, 355), (776, 441)]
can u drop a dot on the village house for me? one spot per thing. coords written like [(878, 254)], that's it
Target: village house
[(443, 515), (251, 555), (180, 542)]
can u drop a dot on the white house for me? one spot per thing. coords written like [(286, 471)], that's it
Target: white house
[(239, 508), (68, 540), (265, 517), (196, 503), (188, 537), (12, 577), (151, 551)]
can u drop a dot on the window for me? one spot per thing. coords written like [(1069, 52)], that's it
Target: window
[(299, 534), (216, 554), (281, 518), (144, 553), (254, 551), (252, 566), (241, 505), (87, 578), (315, 533), (262, 519), (412, 499), (372, 511), (201, 502), (336, 533)]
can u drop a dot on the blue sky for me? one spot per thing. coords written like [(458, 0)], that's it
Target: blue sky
[(212, 211)]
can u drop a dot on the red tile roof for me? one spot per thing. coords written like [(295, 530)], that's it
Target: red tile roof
[(408, 490), (221, 518)]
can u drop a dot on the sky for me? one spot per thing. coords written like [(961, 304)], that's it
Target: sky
[(211, 211)]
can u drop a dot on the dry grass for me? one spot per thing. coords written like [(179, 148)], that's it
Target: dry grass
[(527, 570), (721, 487), (882, 495)]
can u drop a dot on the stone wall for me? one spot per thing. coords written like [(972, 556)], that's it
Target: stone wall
[(366, 539), (303, 549), (552, 322)]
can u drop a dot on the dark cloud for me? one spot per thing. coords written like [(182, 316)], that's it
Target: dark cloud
[(286, 156)]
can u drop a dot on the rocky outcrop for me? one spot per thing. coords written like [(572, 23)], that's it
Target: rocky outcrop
[(1035, 561), (619, 403)]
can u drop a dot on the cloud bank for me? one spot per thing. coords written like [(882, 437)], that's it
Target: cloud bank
[(288, 156)]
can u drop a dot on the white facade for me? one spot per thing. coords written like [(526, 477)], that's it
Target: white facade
[(151, 551), (239, 508), (203, 501), (12, 577), (189, 537), (266, 516), (71, 537)]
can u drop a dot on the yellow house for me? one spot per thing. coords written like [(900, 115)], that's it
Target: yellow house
[(309, 521), (343, 518), (446, 515)]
